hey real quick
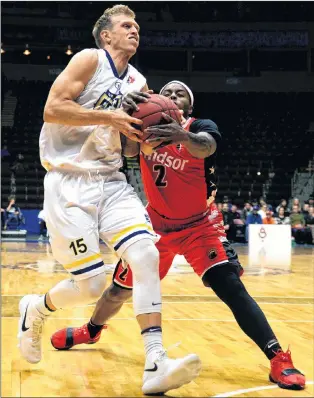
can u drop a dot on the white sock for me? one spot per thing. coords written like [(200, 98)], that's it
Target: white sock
[(42, 307), (152, 342)]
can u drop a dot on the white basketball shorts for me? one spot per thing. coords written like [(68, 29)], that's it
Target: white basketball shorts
[(82, 208)]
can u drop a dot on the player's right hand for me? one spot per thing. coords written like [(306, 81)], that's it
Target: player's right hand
[(125, 124), (130, 101)]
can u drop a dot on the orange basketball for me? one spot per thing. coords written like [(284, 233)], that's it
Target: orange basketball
[(151, 112)]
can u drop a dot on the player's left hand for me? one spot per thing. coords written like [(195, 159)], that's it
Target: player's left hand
[(130, 101), (171, 131)]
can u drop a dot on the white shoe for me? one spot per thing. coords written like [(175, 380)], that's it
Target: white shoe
[(167, 374), (30, 329)]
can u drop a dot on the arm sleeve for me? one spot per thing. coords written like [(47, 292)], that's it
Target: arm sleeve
[(207, 126)]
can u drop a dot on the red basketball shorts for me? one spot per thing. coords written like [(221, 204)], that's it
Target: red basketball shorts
[(197, 241)]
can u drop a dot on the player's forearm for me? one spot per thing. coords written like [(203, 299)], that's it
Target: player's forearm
[(200, 146), (70, 113)]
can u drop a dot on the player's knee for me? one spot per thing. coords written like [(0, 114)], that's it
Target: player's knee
[(117, 294), (93, 288), (225, 282), (143, 258)]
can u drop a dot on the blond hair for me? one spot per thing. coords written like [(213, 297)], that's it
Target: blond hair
[(104, 22)]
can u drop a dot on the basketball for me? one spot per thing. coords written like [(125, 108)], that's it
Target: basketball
[(151, 112)]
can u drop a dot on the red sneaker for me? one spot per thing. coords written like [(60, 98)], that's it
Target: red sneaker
[(284, 373), (64, 339)]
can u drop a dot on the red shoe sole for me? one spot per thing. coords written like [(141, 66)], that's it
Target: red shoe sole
[(69, 347), (60, 349), (295, 387)]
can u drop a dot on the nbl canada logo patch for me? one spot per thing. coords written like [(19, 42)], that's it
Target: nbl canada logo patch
[(212, 254), (131, 80)]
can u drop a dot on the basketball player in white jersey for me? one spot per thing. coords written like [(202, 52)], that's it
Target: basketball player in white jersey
[(87, 197)]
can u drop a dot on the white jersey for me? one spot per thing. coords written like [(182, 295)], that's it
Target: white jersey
[(92, 148)]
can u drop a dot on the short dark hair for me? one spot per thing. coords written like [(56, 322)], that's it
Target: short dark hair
[(104, 22)]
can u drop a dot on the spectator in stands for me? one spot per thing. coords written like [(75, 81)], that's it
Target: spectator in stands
[(5, 152), (262, 211), (281, 218), (262, 202), (227, 200), (246, 210), (2, 217), (226, 218), (309, 218), (12, 212), (283, 204), (296, 202), (253, 218), (311, 201), (299, 231), (235, 221), (309, 221), (42, 226), (296, 218), (269, 219), (305, 209), (219, 206)]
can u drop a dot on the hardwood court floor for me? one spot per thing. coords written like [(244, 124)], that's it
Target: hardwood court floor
[(232, 364)]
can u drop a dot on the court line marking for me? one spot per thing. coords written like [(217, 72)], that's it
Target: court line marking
[(246, 390), (217, 302), (186, 295), (172, 319), (212, 302)]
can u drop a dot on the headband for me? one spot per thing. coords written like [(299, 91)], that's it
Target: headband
[(189, 91)]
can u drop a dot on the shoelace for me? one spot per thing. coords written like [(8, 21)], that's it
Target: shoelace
[(37, 329), (163, 353), (284, 356)]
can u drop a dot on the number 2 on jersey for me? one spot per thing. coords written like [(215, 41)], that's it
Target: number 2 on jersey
[(160, 180)]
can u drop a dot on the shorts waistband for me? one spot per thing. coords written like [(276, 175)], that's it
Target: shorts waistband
[(93, 174), (174, 224)]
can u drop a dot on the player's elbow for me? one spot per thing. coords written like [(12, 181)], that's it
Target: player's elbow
[(49, 114), (52, 110)]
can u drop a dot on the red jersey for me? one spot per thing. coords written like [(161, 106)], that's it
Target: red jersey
[(175, 182)]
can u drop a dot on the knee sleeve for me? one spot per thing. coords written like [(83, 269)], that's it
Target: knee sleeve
[(69, 293), (143, 258), (117, 294)]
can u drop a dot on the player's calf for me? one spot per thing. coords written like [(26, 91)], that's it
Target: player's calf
[(109, 305)]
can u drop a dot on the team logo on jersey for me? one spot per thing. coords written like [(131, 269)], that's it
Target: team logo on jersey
[(212, 254), (109, 100), (131, 80), (117, 84)]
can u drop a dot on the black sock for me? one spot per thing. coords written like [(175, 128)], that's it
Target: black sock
[(46, 305), (271, 348), (251, 319), (93, 329)]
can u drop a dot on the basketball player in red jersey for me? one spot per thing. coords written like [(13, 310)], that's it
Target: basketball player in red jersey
[(176, 178)]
